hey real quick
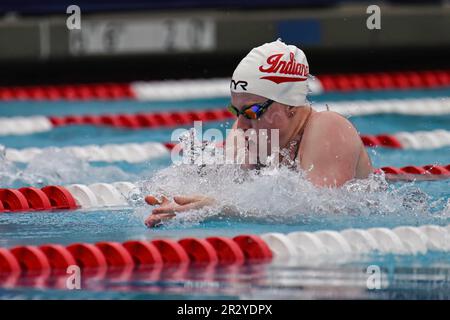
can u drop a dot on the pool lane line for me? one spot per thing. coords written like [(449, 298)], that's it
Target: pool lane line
[(140, 152), (173, 119), (117, 194), (219, 87), (108, 259)]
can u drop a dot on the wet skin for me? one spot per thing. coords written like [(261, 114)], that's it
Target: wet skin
[(330, 150)]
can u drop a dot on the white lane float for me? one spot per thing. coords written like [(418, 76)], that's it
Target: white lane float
[(83, 195), (387, 241), (24, 125), (334, 242), (360, 241), (413, 239), (128, 152), (307, 244), (437, 237), (349, 244), (141, 152), (108, 195), (419, 107), (282, 247)]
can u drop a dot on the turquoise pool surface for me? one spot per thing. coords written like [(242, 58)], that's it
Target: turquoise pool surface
[(422, 276)]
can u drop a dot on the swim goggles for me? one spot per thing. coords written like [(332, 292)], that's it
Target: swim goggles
[(252, 112)]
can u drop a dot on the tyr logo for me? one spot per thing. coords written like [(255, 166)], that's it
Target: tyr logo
[(243, 84)]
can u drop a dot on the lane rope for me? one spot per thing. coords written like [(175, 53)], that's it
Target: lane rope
[(107, 258), (103, 195), (128, 152), (219, 87), (140, 152), (35, 124)]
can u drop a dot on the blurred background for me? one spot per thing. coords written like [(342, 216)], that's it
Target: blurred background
[(127, 40)]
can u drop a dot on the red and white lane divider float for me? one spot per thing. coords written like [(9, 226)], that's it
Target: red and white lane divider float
[(139, 254), (303, 247), (108, 195), (128, 152), (35, 124), (219, 87), (417, 140), (417, 107), (140, 152)]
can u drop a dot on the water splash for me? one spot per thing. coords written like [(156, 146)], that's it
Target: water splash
[(281, 195), (57, 167)]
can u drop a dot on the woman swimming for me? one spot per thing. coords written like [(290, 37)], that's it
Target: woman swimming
[(268, 92)]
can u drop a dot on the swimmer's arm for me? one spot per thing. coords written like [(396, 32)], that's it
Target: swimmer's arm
[(330, 152)]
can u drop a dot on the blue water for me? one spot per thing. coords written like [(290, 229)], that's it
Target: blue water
[(261, 281)]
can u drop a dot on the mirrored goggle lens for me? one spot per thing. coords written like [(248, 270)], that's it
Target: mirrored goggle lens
[(251, 113), (254, 111)]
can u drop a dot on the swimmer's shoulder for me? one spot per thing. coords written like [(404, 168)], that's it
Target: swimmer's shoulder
[(335, 122), (330, 122)]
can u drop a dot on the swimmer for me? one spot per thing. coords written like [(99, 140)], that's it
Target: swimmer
[(269, 91)]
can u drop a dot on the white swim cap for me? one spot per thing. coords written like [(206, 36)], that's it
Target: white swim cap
[(276, 71)]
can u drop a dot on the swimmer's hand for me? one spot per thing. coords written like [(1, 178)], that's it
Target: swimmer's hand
[(168, 209)]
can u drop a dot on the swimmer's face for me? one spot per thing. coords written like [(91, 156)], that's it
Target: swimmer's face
[(275, 117)]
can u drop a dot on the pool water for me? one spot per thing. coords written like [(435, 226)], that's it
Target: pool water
[(282, 203)]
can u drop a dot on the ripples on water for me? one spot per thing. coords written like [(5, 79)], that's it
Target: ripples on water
[(269, 195), (281, 195)]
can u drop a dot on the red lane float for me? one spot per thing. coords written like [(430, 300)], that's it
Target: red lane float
[(253, 247), (97, 259), (199, 250), (383, 140), (37, 199), (8, 262), (115, 254), (171, 252), (58, 256), (143, 120), (385, 81), (13, 200), (228, 251), (434, 170), (106, 91), (115, 91), (143, 253), (59, 197), (437, 170), (31, 259), (88, 256), (31, 199)]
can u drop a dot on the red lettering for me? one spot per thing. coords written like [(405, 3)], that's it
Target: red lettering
[(273, 62), (291, 67)]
